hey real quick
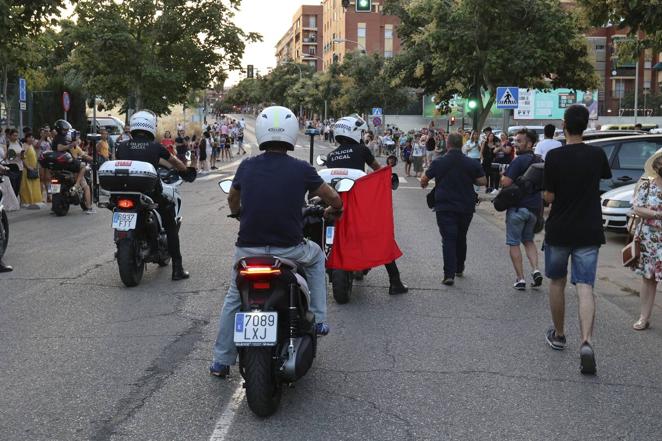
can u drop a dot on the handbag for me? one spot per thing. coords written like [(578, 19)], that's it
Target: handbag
[(33, 173), (631, 253)]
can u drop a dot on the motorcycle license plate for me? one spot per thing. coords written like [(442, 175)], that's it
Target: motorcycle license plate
[(124, 221), (255, 328), (54, 188), (329, 235)]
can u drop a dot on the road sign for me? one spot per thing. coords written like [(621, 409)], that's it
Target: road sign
[(377, 111), (66, 101), (376, 121), (507, 97), (23, 105), (22, 90)]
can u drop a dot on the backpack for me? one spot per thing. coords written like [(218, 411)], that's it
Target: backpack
[(531, 181)]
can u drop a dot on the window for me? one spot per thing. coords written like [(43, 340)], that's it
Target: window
[(388, 41), (361, 32), (609, 150), (312, 21), (633, 154), (619, 89)]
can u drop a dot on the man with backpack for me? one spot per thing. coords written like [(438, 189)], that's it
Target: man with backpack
[(522, 216)]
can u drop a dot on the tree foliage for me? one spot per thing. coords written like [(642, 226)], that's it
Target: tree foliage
[(151, 53), (645, 16), (458, 47)]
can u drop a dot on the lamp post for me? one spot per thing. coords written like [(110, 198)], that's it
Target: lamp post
[(300, 78)]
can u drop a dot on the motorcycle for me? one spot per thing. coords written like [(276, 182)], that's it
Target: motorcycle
[(275, 329), (62, 186), (4, 225), (342, 281), (138, 228)]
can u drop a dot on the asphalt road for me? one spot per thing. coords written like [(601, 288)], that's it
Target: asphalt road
[(82, 357)]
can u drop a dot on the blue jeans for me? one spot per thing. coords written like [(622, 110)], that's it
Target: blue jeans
[(520, 223), (453, 227), (308, 254), (584, 263)]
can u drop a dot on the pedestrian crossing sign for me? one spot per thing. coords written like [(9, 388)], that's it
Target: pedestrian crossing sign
[(507, 97)]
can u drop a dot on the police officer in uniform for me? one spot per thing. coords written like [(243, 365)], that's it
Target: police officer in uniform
[(352, 153), (143, 147)]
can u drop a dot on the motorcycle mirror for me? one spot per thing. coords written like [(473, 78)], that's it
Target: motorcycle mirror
[(320, 160), (395, 181), (344, 185), (225, 185)]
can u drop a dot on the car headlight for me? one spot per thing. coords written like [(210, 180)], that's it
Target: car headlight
[(612, 203)]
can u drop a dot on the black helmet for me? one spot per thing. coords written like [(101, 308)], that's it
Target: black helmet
[(62, 126)]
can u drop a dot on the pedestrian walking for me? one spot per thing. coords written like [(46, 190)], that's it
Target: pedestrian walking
[(548, 143), (406, 156), (486, 160), (454, 202), (9, 199), (574, 229), (522, 217), (647, 204), (417, 156)]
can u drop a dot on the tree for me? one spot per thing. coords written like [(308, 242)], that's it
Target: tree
[(645, 16), (151, 53), (464, 47)]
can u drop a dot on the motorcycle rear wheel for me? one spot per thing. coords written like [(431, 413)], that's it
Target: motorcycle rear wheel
[(263, 390), (59, 205), (4, 234), (341, 282), (131, 272)]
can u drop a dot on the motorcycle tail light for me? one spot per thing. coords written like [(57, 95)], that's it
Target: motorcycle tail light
[(260, 272), (261, 285), (126, 203), (54, 181)]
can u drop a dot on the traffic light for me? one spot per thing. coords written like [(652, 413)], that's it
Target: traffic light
[(249, 71), (472, 104), (363, 5)]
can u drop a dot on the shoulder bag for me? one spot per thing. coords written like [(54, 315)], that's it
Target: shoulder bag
[(631, 253)]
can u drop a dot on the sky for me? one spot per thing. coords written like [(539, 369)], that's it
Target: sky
[(270, 18)]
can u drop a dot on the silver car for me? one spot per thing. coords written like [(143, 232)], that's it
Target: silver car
[(616, 207)]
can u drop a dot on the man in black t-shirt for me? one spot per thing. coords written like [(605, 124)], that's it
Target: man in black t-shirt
[(574, 228), (352, 153), (142, 147), (267, 195)]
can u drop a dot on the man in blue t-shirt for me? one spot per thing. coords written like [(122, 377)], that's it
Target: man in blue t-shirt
[(267, 195), (521, 219)]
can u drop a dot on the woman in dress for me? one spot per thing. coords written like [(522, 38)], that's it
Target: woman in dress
[(647, 205), (30, 184)]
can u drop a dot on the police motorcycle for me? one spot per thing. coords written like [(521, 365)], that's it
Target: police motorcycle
[(4, 225), (138, 229), (341, 281), (275, 329)]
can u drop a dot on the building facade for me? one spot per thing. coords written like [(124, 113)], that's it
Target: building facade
[(302, 43), (347, 30)]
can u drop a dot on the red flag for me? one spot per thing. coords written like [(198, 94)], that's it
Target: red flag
[(365, 236)]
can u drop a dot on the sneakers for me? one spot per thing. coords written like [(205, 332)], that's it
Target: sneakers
[(90, 211), (322, 328), (587, 359), (448, 281), (219, 370), (537, 279), (555, 341), (520, 285)]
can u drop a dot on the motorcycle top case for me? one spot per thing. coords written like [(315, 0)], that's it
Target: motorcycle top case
[(55, 160), (330, 175), (135, 176)]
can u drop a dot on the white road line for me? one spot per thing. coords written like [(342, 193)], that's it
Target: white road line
[(402, 180), (224, 422)]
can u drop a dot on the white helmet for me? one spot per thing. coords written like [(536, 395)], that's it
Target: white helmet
[(145, 121), (276, 125), (349, 129)]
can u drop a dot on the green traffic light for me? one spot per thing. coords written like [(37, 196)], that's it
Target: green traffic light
[(472, 104)]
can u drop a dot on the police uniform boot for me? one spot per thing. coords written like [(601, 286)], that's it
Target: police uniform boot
[(4, 268), (397, 287), (178, 272)]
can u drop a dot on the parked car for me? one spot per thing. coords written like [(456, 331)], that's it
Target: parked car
[(626, 156), (540, 130), (616, 207), (113, 125), (590, 135), (628, 126)]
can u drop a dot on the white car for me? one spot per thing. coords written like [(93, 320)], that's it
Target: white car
[(616, 207)]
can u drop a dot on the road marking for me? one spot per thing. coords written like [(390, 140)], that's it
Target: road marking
[(402, 180), (218, 175), (224, 422)]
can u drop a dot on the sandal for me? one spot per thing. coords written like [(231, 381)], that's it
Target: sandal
[(641, 325)]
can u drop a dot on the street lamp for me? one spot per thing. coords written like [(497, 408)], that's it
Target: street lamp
[(300, 78), (344, 40)]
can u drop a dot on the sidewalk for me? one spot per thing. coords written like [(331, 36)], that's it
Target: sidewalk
[(613, 278)]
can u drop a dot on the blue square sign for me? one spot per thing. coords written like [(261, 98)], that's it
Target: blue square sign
[(507, 97), (22, 90)]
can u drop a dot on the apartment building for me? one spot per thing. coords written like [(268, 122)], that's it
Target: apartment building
[(302, 43)]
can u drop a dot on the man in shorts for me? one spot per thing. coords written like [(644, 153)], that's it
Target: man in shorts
[(574, 229)]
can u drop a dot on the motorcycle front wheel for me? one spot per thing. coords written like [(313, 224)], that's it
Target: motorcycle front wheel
[(263, 390), (131, 268), (60, 205), (341, 282)]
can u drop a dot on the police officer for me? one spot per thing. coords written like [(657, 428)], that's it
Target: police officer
[(143, 147), (352, 153)]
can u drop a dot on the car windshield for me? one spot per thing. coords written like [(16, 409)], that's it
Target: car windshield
[(633, 154)]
